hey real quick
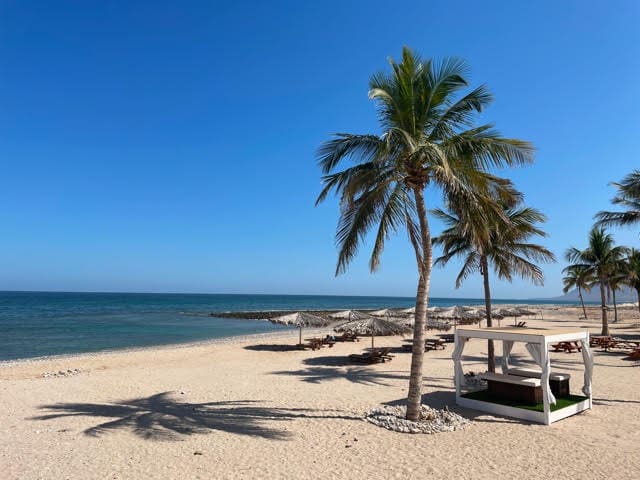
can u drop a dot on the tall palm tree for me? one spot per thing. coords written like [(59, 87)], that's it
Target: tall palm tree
[(599, 259), (502, 242), (577, 277), (628, 196), (427, 140)]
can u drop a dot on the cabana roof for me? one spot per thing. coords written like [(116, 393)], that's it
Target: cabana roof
[(529, 335)]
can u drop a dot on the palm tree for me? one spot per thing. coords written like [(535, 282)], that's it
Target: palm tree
[(427, 140), (577, 277), (628, 196), (502, 242), (599, 260)]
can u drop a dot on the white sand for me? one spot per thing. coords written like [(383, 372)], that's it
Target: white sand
[(232, 412)]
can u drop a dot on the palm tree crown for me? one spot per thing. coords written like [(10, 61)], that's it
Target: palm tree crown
[(579, 278), (503, 241), (428, 138), (628, 196)]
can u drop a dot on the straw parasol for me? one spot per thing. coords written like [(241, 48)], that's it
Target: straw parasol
[(513, 312), (300, 319), (373, 326), (458, 312), (349, 315), (385, 312), (408, 310)]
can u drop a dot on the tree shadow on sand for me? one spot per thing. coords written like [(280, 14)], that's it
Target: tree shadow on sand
[(361, 375), (159, 417)]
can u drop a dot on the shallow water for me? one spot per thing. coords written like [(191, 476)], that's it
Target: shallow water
[(35, 324)]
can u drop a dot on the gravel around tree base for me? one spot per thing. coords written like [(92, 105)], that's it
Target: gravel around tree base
[(432, 421)]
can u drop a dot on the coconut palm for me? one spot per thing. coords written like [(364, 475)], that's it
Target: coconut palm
[(502, 242), (579, 278), (427, 140), (628, 196), (599, 260)]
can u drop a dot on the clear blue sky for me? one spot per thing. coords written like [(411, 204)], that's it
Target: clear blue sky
[(169, 146)]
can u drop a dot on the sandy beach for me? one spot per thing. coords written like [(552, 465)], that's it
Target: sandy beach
[(244, 408)]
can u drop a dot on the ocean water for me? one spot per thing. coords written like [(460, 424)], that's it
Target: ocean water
[(36, 324)]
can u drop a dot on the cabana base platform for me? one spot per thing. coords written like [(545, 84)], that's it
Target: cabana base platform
[(529, 413)]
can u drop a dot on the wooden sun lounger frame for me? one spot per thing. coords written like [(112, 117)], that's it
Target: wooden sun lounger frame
[(377, 355)]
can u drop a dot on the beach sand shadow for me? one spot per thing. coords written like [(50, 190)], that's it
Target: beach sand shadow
[(273, 347), (159, 417), (360, 375)]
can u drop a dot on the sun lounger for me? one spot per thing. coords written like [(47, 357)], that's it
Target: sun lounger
[(635, 355), (347, 337), (568, 347), (521, 324), (377, 355)]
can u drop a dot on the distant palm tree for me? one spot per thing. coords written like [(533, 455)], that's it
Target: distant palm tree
[(628, 196), (427, 140), (599, 259), (499, 239), (577, 277)]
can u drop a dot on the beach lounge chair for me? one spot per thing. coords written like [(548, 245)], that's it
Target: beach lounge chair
[(377, 355), (347, 337), (521, 324), (635, 355)]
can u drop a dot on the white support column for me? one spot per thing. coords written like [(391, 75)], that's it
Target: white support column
[(456, 380), (544, 381)]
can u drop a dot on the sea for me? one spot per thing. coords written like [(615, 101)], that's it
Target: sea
[(43, 324)]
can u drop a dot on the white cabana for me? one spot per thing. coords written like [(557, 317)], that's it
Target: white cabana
[(537, 343)]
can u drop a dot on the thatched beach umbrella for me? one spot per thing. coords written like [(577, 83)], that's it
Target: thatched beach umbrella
[(385, 312), (513, 312), (456, 313), (408, 310), (349, 315), (373, 326), (300, 319)]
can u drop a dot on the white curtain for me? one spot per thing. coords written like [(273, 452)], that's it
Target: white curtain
[(587, 357), (457, 360), (507, 345), (541, 357)]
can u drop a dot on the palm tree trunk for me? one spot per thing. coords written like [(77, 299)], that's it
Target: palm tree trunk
[(615, 306), (638, 293), (584, 310), (424, 258), (603, 305), (484, 265)]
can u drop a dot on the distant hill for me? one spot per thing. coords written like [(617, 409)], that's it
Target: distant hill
[(622, 296)]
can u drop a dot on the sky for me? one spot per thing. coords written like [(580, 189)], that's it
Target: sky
[(171, 146)]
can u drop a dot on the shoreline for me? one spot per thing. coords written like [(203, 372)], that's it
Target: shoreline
[(148, 348), (242, 315)]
